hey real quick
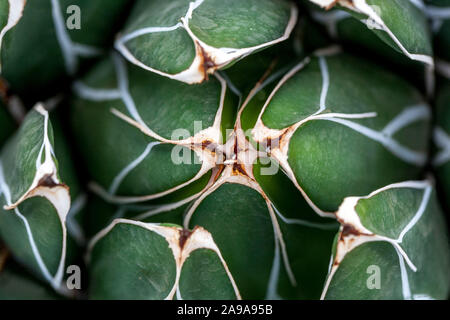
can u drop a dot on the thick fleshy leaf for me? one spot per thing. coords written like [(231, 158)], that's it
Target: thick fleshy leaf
[(306, 235), (399, 23), (34, 201), (393, 244), (233, 212), (187, 40), (321, 98), (342, 27), (271, 256), (135, 260), (322, 112), (10, 13), (50, 39), (176, 105), (174, 114), (239, 220), (70, 176)]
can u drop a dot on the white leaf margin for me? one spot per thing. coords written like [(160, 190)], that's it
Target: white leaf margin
[(199, 238), (348, 216), (220, 56), (409, 115), (15, 13), (58, 195), (361, 6), (70, 50)]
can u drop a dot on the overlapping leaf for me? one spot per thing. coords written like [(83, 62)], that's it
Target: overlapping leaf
[(347, 109), (34, 201), (176, 114), (187, 40), (153, 261), (339, 131), (37, 47), (399, 23), (392, 245)]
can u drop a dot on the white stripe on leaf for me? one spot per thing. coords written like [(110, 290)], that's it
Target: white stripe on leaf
[(69, 49)]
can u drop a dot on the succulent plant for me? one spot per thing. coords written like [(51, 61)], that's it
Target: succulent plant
[(259, 149)]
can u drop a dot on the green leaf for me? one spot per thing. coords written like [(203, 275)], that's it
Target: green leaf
[(10, 14), (135, 260), (388, 20), (239, 220), (269, 255), (57, 49), (34, 202), (154, 126), (322, 112), (70, 176), (4, 13), (308, 237), (187, 40), (343, 28), (392, 245)]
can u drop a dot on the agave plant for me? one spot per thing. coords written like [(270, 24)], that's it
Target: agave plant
[(259, 149)]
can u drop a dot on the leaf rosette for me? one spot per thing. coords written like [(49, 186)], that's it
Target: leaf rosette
[(237, 184)]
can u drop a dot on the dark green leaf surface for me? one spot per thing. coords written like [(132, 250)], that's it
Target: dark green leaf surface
[(271, 146), (399, 236), (175, 112), (187, 40), (388, 20), (132, 260), (40, 50), (360, 114), (34, 202), (268, 226)]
